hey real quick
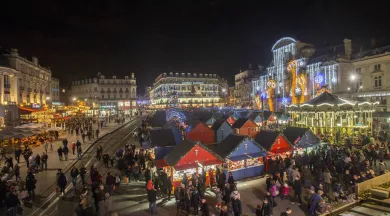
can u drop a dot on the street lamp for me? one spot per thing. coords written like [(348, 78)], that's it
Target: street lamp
[(349, 89), (223, 90), (74, 99), (353, 77), (262, 97)]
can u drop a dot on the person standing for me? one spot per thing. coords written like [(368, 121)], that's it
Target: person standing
[(237, 208), (287, 212), (46, 146), (151, 197), (297, 185), (73, 148), (205, 208)]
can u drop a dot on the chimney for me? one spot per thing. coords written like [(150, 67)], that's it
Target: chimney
[(348, 48), (35, 60), (373, 43), (132, 75), (14, 52)]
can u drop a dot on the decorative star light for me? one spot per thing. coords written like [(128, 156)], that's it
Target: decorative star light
[(319, 79), (284, 101)]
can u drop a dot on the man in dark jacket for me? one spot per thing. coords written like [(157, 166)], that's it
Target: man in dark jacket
[(195, 200), (205, 208), (12, 202), (297, 185), (74, 173), (83, 171), (61, 181), (18, 152), (237, 208), (30, 184), (110, 181)]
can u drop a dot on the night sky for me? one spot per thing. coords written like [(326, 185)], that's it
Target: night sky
[(79, 38)]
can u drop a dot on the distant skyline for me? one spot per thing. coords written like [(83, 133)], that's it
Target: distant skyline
[(78, 40)]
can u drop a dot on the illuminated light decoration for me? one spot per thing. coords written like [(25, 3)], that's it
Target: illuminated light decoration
[(305, 93), (319, 78), (298, 90), (284, 101), (292, 40), (301, 79), (301, 63), (271, 84), (334, 80)]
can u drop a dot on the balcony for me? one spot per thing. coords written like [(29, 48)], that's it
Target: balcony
[(102, 92), (114, 92), (42, 92), (21, 88), (29, 89), (35, 91), (47, 93)]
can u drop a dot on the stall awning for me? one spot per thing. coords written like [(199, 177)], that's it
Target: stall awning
[(248, 156), (160, 163)]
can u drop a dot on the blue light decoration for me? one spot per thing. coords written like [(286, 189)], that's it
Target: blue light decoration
[(263, 95), (284, 101), (319, 78)]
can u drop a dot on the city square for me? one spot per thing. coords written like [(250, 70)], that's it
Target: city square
[(194, 108)]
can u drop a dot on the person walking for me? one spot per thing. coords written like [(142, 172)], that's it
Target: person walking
[(110, 182), (30, 185), (60, 151), (74, 173), (237, 208), (18, 152), (66, 152), (44, 159), (297, 186), (79, 152), (61, 182), (46, 146), (83, 172)]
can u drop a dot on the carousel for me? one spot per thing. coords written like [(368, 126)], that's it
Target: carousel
[(333, 118)]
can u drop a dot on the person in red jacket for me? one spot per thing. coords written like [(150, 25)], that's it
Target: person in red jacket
[(285, 189)]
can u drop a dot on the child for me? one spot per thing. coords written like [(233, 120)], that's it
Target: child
[(267, 209), (218, 196), (259, 210), (285, 189)]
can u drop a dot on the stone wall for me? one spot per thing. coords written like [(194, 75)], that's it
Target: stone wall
[(367, 185)]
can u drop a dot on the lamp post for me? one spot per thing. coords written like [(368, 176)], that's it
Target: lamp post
[(262, 97)]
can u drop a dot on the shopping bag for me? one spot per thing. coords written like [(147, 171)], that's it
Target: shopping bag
[(57, 190), (126, 180), (113, 188)]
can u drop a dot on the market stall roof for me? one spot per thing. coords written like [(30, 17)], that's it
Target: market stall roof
[(161, 152), (240, 122), (238, 147), (273, 141), (159, 118), (162, 138), (301, 137), (24, 110), (188, 154), (217, 124)]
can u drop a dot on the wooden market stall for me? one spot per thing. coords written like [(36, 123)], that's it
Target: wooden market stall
[(199, 131), (242, 156), (190, 157), (303, 139), (275, 143)]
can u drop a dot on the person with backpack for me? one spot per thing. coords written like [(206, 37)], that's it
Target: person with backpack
[(12, 203)]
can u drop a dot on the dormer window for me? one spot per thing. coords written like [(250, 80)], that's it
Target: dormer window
[(126, 77), (114, 77), (102, 77)]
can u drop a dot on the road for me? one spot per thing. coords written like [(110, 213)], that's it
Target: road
[(48, 203)]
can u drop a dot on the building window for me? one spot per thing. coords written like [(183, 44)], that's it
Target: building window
[(102, 96), (378, 81), (108, 96), (114, 96), (377, 67)]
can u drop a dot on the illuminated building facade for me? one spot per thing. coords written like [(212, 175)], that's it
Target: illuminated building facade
[(298, 70), (106, 96), (188, 90)]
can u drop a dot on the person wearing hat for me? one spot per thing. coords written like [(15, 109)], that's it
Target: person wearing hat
[(152, 197), (259, 210)]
